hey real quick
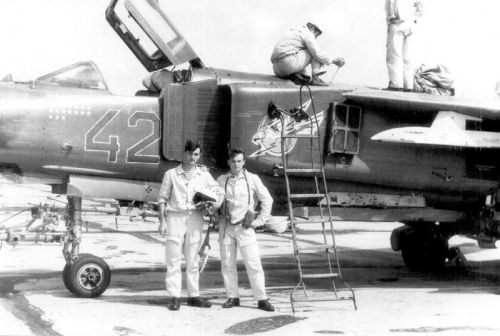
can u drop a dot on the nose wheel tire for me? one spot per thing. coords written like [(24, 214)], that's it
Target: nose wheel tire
[(88, 276)]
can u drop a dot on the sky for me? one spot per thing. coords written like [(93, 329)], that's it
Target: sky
[(40, 36)]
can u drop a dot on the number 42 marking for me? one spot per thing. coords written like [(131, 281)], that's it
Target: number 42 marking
[(112, 145)]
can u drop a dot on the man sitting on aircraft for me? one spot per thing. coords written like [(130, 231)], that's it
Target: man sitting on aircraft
[(183, 224), (243, 189), (296, 49)]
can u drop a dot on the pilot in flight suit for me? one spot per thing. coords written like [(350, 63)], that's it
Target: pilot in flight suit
[(243, 189), (181, 222)]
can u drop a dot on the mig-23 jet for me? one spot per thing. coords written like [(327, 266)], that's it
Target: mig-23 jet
[(430, 162)]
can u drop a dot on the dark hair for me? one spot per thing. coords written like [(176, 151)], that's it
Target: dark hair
[(236, 151), (191, 146), (313, 26)]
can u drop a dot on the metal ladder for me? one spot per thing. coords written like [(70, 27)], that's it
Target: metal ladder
[(332, 268)]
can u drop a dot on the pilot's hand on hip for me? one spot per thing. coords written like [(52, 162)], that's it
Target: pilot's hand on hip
[(250, 224)]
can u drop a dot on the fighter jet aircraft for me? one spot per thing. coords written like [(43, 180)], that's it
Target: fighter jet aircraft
[(430, 162)]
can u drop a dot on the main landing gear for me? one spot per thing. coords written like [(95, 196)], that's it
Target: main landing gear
[(424, 246), (85, 275)]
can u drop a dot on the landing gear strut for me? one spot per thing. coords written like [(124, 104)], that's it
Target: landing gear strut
[(84, 275)]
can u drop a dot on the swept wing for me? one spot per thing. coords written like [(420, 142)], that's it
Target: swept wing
[(457, 121)]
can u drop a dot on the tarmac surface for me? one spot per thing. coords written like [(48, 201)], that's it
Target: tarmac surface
[(463, 299)]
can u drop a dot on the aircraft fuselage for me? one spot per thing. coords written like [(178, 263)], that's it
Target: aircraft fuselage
[(57, 132)]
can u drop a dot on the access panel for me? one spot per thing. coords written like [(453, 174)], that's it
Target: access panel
[(199, 111)]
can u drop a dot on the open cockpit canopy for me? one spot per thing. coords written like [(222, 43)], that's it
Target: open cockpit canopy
[(149, 34)]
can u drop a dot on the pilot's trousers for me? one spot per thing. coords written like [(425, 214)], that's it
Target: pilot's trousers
[(296, 63), (230, 238), (184, 231), (399, 55)]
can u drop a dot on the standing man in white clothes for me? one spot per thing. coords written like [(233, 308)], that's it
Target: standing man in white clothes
[(402, 17), (182, 223), (236, 231)]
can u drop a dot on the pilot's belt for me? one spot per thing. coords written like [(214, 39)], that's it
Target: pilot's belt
[(285, 56), (228, 220), (397, 21), (182, 212)]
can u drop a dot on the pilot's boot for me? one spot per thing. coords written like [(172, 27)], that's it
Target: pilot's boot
[(299, 79), (392, 87), (316, 81), (174, 304), (231, 302), (265, 305), (196, 301)]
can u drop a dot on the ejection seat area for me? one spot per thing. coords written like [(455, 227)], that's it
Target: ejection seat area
[(158, 80)]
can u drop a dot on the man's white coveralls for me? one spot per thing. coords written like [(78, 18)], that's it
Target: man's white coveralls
[(402, 16), (295, 51), (238, 201), (184, 225)]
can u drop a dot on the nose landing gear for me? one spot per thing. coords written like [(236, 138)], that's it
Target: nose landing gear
[(85, 275)]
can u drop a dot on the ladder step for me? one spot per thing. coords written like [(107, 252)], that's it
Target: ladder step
[(307, 136), (315, 247), (320, 275), (309, 299), (307, 195), (303, 170), (306, 222)]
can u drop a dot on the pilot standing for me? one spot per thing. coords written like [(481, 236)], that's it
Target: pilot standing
[(298, 48), (236, 231), (181, 222), (402, 17)]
